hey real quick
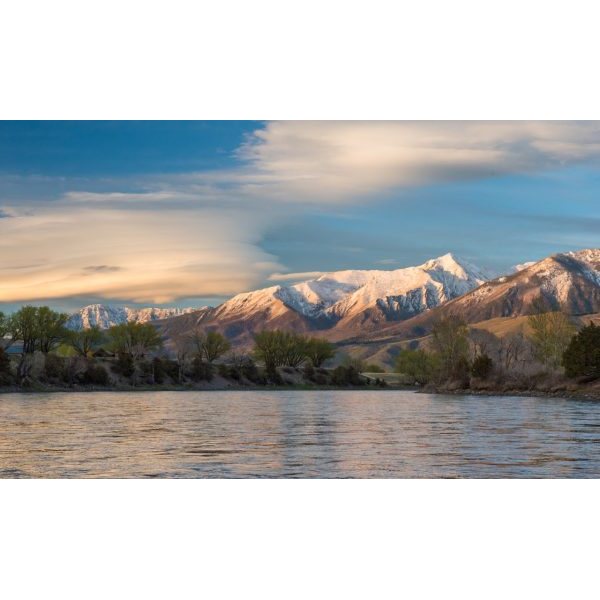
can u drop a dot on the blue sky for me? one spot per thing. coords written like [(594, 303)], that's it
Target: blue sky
[(188, 213)]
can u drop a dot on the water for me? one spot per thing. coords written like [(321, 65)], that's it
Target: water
[(296, 434)]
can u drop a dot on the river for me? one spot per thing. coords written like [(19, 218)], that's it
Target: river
[(365, 434)]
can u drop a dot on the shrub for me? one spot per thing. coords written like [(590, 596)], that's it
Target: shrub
[(420, 366), (201, 371), (95, 375), (158, 370), (124, 364), (170, 369), (5, 371), (373, 368), (482, 366), (346, 376), (54, 367), (308, 370), (4, 362), (355, 363), (251, 373), (582, 356)]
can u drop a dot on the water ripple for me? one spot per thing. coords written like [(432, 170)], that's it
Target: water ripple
[(387, 434)]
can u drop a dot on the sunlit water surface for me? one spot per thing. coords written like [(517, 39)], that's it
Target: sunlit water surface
[(296, 434)]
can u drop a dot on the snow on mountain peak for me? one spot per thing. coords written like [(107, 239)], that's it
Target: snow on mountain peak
[(341, 294), (105, 316)]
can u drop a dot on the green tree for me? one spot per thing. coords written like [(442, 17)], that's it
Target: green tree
[(23, 325), (135, 339), (210, 345), (319, 350), (582, 356), (5, 340), (279, 348), (450, 340), (40, 328), (421, 366), (51, 328), (550, 334), (85, 341)]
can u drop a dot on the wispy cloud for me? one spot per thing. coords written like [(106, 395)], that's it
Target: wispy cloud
[(295, 276), (340, 161)]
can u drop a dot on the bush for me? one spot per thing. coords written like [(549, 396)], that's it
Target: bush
[(373, 368), (308, 370), (346, 376), (201, 371), (5, 371), (170, 369), (95, 375), (251, 373), (158, 370), (54, 367), (420, 366), (582, 356), (482, 366), (124, 365), (354, 363)]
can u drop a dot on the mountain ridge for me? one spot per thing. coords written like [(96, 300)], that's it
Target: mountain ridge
[(355, 299)]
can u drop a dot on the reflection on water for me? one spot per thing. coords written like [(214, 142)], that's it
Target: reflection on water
[(296, 434)]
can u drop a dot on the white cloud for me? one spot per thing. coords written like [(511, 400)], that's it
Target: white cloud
[(341, 161), (295, 276), (200, 234)]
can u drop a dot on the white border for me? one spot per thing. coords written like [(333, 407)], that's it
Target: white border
[(267, 59), (328, 60)]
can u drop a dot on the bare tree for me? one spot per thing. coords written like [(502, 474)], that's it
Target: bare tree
[(183, 351)]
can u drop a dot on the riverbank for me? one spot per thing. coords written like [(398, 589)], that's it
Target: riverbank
[(566, 390)]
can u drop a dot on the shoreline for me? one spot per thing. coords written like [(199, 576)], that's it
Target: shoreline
[(274, 388), (566, 394)]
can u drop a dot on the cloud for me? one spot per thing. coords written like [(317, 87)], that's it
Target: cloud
[(295, 276), (162, 256), (102, 268), (341, 161), (200, 234)]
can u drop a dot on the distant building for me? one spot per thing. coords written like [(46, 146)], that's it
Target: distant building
[(14, 348)]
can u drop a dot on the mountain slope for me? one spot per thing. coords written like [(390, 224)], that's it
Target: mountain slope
[(568, 281)]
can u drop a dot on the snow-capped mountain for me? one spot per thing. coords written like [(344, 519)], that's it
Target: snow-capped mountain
[(104, 316), (343, 294), (353, 299), (568, 281)]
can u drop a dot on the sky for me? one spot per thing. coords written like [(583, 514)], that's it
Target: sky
[(176, 213)]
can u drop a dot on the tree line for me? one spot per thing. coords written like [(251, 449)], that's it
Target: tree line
[(550, 343), (138, 352)]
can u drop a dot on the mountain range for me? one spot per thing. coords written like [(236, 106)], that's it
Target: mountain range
[(105, 316), (372, 309)]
